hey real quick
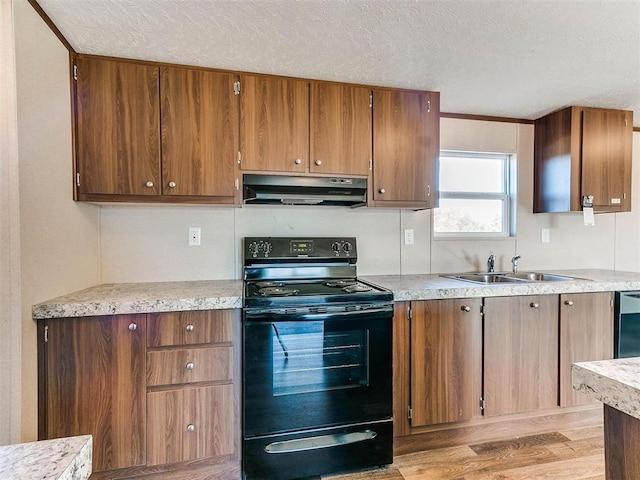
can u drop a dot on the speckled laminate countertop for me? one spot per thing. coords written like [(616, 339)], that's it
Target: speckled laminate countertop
[(614, 382), (60, 459), (153, 297), (111, 299)]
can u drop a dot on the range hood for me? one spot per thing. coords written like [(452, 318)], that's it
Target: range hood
[(291, 190)]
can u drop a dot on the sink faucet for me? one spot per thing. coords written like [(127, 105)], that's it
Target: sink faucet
[(491, 263), (514, 261)]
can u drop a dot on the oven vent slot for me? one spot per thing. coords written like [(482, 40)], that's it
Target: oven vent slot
[(318, 310), (290, 311), (352, 308)]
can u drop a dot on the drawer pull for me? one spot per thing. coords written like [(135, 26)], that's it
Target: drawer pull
[(465, 308), (191, 427), (190, 366), (132, 327), (569, 303), (534, 305), (189, 328)]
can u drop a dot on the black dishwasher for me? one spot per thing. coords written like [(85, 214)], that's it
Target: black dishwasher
[(626, 340)]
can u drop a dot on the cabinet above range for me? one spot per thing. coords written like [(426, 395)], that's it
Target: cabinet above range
[(147, 132)]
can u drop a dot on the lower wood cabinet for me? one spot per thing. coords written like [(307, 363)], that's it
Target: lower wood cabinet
[(520, 354), (190, 423), (151, 389), (586, 334), (446, 360), (92, 381)]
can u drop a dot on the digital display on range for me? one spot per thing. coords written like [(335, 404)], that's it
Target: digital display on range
[(302, 246)]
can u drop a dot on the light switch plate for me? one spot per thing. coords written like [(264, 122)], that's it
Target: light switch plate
[(544, 235)]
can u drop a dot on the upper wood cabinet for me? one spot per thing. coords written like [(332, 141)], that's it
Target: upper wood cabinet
[(92, 381), (340, 129), (581, 152), (586, 334), (148, 133), (274, 124), (520, 354), (118, 128), (199, 112), (446, 360), (406, 146)]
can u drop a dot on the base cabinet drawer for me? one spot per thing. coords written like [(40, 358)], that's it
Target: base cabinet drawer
[(189, 424), (189, 365)]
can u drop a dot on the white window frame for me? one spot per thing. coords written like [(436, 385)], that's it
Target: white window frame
[(504, 196)]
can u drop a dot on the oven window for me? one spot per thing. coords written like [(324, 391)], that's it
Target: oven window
[(308, 358)]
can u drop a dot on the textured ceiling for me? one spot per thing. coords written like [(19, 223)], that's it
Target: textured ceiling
[(510, 58)]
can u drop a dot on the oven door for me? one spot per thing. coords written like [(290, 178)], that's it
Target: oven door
[(316, 370)]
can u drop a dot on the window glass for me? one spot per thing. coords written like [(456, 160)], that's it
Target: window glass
[(474, 195)]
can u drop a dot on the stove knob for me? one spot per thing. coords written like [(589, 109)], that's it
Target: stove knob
[(336, 247), (253, 248), (267, 247), (346, 246)]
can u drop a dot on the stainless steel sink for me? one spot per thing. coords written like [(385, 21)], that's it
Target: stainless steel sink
[(505, 277), (485, 278), (539, 277)]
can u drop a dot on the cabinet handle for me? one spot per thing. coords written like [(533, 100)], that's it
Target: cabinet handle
[(297, 161), (428, 190), (191, 427), (132, 327), (172, 184), (465, 308), (190, 366), (534, 305), (569, 303), (149, 184), (382, 190), (318, 162), (189, 328)]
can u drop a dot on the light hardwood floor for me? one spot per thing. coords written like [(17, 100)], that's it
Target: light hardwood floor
[(570, 455), (576, 454)]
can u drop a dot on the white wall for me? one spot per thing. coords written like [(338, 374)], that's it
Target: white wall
[(149, 243), (59, 239)]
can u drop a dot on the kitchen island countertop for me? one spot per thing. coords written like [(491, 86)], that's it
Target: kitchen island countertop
[(154, 297), (66, 458)]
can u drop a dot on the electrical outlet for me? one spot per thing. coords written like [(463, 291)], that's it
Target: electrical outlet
[(194, 236), (408, 236)]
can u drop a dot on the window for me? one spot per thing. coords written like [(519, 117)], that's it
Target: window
[(474, 195)]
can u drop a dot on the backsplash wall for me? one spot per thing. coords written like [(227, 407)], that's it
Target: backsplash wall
[(149, 243)]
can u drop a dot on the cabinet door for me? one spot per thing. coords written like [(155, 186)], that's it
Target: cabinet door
[(95, 384), (190, 423), (118, 122), (446, 360), (606, 156), (274, 124), (199, 132), (520, 354), (406, 143), (586, 334), (340, 129)]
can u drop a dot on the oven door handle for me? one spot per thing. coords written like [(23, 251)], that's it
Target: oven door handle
[(322, 441), (300, 316)]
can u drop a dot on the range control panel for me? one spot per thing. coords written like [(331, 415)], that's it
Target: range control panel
[(282, 248)]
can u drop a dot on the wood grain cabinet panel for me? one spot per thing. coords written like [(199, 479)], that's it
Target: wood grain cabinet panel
[(190, 423), (446, 360), (199, 132), (94, 383), (190, 328), (274, 121), (520, 354), (340, 129), (586, 334), (579, 152), (189, 365), (406, 146), (118, 128)]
